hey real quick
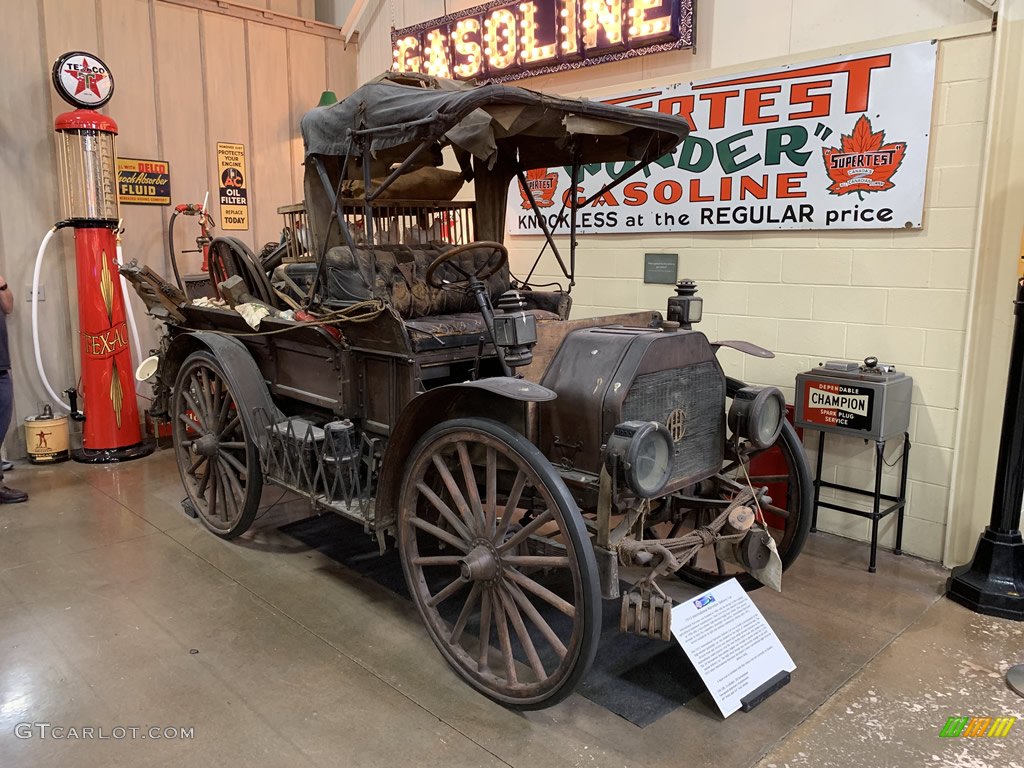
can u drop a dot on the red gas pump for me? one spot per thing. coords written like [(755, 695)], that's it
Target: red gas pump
[(88, 194)]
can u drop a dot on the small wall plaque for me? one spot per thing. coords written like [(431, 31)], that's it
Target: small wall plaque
[(661, 268)]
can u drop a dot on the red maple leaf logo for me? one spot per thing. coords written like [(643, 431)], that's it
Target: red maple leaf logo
[(863, 162), (543, 185)]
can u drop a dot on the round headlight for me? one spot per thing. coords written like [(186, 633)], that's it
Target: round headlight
[(756, 415), (643, 453)]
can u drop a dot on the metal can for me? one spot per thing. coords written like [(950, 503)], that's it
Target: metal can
[(46, 438)]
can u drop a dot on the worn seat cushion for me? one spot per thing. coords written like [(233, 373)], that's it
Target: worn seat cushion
[(400, 278)]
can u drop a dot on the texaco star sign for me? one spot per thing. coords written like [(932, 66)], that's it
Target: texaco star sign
[(83, 80)]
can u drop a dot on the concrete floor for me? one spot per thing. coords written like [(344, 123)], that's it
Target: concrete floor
[(117, 610)]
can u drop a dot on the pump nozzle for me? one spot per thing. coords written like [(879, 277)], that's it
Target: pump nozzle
[(72, 395)]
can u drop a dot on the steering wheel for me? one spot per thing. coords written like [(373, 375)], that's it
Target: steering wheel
[(482, 273)]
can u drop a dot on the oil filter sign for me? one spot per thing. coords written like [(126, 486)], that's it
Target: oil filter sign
[(837, 405), (833, 144), (234, 200), (143, 182)]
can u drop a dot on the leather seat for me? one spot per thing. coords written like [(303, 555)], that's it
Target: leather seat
[(436, 318), (400, 278), (456, 330)]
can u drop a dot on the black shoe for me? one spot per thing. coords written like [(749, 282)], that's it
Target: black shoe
[(11, 495), (6, 465)]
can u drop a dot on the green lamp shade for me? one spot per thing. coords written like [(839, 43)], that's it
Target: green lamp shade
[(327, 98)]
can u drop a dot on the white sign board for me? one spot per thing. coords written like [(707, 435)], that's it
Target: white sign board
[(729, 643), (832, 144)]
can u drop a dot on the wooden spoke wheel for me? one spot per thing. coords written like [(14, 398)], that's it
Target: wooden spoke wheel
[(783, 469), (217, 458), (499, 563)]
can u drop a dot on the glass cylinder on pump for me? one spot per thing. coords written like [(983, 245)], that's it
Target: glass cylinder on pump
[(86, 166)]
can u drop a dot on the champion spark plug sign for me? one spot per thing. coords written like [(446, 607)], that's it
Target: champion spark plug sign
[(833, 144), (838, 405), (503, 40)]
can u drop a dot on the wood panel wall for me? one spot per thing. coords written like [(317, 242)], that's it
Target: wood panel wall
[(303, 8), (188, 74)]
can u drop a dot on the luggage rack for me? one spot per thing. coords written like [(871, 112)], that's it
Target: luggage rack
[(296, 228), (407, 222)]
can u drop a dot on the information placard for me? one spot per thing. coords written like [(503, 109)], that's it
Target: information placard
[(730, 644), (661, 268)]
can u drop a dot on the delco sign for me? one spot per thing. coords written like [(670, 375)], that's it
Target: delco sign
[(503, 41)]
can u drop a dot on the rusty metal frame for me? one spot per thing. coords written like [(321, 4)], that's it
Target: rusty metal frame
[(574, 208), (313, 468)]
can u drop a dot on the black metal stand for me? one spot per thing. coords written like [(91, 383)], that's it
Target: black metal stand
[(993, 582), (758, 695), (876, 514), (1015, 679), (113, 455)]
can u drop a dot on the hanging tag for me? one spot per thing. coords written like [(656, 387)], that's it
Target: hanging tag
[(771, 574)]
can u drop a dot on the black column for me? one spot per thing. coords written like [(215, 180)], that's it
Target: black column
[(993, 582)]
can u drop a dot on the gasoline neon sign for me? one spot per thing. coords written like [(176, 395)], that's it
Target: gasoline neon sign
[(505, 40)]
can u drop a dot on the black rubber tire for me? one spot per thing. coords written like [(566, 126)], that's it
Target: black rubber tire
[(253, 488), (795, 535), (580, 651)]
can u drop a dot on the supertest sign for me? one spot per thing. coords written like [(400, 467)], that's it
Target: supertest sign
[(839, 143), (503, 41)]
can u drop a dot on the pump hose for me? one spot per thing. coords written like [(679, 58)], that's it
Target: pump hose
[(129, 311), (170, 248), (35, 321)]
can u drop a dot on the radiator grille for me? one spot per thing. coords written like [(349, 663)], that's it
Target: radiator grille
[(697, 392)]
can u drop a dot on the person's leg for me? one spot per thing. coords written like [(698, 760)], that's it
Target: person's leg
[(7, 495), (6, 409)]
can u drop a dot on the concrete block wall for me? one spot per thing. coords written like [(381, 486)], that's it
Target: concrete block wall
[(810, 296)]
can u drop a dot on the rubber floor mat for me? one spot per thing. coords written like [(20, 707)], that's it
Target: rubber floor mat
[(636, 678)]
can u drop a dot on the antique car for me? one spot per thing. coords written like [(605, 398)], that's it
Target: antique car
[(524, 464)]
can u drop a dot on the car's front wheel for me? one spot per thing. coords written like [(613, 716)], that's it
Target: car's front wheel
[(499, 564)]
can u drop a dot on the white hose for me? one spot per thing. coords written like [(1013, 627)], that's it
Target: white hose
[(128, 308), (35, 322)]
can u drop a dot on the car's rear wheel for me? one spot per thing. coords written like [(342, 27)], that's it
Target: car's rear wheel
[(217, 458)]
